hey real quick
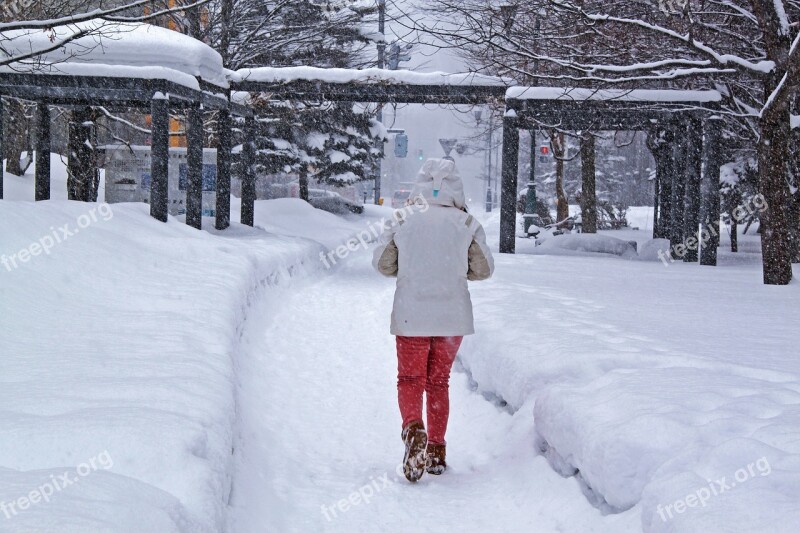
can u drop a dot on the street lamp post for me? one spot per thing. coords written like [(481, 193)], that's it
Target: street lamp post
[(530, 198), (381, 31), (478, 113), (379, 116)]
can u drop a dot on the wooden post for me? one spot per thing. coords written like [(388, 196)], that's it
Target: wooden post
[(508, 187), (588, 188), (661, 148), (678, 192), (194, 159), (302, 183), (656, 201), (159, 158), (249, 177), (223, 209), (712, 156), (694, 169), (82, 183), (42, 178)]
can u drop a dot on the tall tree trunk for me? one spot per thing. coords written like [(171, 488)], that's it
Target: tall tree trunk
[(589, 193), (226, 13), (773, 145), (795, 227), (193, 17), (776, 247), (558, 143), (794, 166)]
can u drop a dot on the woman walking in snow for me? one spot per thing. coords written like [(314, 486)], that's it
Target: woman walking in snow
[(433, 253)]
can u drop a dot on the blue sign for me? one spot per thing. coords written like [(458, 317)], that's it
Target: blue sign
[(401, 145), (209, 177)]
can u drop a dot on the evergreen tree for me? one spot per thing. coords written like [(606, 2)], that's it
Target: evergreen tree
[(330, 142)]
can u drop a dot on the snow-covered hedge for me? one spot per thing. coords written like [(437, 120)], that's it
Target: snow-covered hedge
[(650, 385)]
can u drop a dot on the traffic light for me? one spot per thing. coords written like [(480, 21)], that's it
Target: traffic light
[(420, 155), (400, 145), (544, 153)]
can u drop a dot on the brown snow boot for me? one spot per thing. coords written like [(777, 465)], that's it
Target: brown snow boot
[(435, 463), (415, 438)]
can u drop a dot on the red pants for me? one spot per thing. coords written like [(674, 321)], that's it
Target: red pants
[(423, 366)]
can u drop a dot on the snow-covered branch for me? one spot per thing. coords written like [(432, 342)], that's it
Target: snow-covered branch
[(790, 79), (721, 59)]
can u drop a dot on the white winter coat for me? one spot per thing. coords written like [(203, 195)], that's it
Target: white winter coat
[(434, 250)]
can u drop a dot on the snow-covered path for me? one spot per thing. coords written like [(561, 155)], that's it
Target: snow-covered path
[(319, 430)]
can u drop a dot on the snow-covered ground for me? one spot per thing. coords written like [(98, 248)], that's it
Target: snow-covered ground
[(320, 442), (119, 353), (157, 378), (673, 390)]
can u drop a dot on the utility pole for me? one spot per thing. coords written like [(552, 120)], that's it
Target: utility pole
[(530, 198), (487, 157), (379, 117), (489, 194), (382, 32)]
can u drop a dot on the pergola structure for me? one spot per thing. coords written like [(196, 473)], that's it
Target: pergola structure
[(148, 67), (370, 86), (688, 204), (160, 96), (175, 92)]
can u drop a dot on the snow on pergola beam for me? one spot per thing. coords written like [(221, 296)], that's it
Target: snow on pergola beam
[(113, 64), (635, 96), (370, 85), (113, 49)]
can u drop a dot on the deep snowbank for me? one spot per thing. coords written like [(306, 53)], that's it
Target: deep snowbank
[(119, 343), (653, 382)]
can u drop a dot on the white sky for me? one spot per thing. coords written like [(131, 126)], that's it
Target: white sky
[(425, 125)]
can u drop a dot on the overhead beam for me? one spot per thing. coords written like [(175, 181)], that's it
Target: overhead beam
[(88, 90), (587, 121), (376, 93)]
